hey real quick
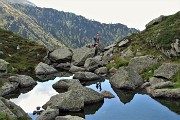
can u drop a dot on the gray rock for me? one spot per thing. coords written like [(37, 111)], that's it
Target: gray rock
[(45, 69), (167, 93), (8, 87), (154, 80), (1, 53), (71, 100), (123, 43), (23, 80), (98, 57), (112, 71), (107, 94), (81, 54), (92, 64), (126, 78), (69, 117), (3, 65), (65, 84), (74, 69), (61, 55), (85, 76), (144, 85), (167, 70), (48, 114), (161, 85), (155, 21), (143, 62), (101, 70), (63, 66), (108, 55), (127, 53), (110, 46), (12, 110)]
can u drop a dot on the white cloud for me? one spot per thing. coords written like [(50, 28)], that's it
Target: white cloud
[(133, 13)]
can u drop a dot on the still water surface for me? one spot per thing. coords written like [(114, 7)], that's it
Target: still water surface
[(127, 105)]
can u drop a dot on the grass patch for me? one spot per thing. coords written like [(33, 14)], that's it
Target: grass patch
[(118, 62), (148, 73), (4, 116), (176, 79)]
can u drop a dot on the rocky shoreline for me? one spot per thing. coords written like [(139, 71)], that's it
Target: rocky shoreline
[(89, 64)]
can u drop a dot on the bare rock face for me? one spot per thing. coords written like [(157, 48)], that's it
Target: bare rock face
[(167, 71), (155, 21), (86, 76), (142, 62), (126, 78), (61, 55), (23, 80), (48, 114), (12, 110), (81, 54), (44, 69)]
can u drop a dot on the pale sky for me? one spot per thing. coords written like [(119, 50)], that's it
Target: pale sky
[(133, 13)]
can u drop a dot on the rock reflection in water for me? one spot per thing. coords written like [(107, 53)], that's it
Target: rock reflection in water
[(172, 104), (89, 109), (125, 96)]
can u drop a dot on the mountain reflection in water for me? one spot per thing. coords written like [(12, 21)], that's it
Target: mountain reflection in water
[(127, 105)]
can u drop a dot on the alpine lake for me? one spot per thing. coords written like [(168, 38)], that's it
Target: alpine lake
[(127, 105)]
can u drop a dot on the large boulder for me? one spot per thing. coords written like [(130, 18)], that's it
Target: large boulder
[(69, 117), (92, 64), (123, 43), (48, 114), (61, 55), (85, 76), (23, 80), (143, 62), (155, 21), (167, 71), (12, 110), (71, 100), (8, 87), (167, 93), (44, 69), (126, 78), (101, 71), (81, 54), (3, 65)]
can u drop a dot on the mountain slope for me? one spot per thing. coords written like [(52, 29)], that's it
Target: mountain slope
[(68, 28), (24, 59), (23, 2), (18, 22)]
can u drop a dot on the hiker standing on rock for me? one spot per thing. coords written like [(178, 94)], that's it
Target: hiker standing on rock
[(96, 39)]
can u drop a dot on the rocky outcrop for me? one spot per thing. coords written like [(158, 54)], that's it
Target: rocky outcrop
[(74, 69), (85, 76), (12, 110), (81, 54), (23, 80), (155, 21), (143, 62), (101, 71), (126, 78), (61, 55), (68, 101), (3, 66), (123, 43), (107, 94), (69, 117), (8, 87), (92, 64), (45, 69), (48, 114), (167, 93), (108, 55), (167, 71)]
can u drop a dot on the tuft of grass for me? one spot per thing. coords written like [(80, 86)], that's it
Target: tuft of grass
[(4, 116), (118, 62), (176, 79), (148, 73)]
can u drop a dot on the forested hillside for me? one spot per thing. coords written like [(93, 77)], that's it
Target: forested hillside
[(44, 23)]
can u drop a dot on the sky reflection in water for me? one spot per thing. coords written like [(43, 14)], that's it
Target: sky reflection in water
[(125, 105)]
